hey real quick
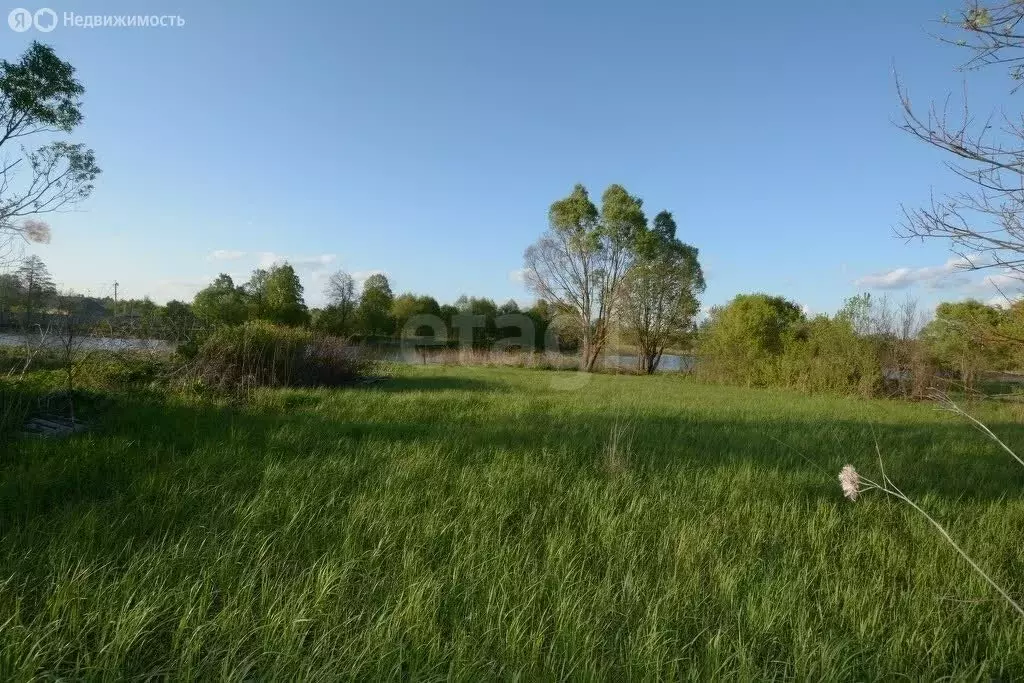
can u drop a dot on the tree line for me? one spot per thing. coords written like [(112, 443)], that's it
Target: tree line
[(868, 347)]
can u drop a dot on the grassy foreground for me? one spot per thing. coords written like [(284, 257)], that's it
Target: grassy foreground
[(479, 523)]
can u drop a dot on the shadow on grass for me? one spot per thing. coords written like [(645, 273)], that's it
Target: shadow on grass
[(396, 384), (146, 448)]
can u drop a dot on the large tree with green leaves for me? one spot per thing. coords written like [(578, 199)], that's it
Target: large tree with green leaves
[(966, 337), (221, 303), (579, 263), (408, 306), (276, 294), (659, 302), (39, 99), (283, 297), (374, 313)]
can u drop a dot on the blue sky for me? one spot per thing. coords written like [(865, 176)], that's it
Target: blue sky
[(427, 140)]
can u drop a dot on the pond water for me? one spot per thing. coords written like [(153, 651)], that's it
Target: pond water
[(52, 341), (669, 362)]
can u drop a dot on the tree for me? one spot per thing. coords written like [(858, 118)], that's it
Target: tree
[(740, 340), (255, 291), (408, 305), (282, 295), (275, 294), (964, 337), (35, 286), (39, 96), (579, 262), (221, 303), (448, 313), (9, 291), (659, 294), (509, 307), (374, 313), (338, 317), (484, 329), (179, 321), (540, 314), (983, 224)]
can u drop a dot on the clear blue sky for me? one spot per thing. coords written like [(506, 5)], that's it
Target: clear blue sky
[(427, 140)]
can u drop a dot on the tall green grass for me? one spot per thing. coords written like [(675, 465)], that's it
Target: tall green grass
[(477, 523)]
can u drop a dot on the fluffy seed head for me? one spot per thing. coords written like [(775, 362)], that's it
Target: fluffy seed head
[(850, 481), (36, 231)]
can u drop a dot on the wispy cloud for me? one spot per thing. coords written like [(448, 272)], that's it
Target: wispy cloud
[(361, 276), (518, 276), (270, 258), (226, 255), (946, 276), (181, 289), (1005, 280)]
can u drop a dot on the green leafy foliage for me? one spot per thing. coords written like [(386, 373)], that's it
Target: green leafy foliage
[(658, 303), (222, 303), (742, 340), (580, 262), (39, 96), (965, 337), (374, 312)]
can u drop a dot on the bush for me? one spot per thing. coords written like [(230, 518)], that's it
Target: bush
[(259, 354), (125, 370), (758, 340)]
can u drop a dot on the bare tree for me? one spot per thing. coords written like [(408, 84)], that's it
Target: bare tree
[(39, 96), (341, 293), (578, 264), (72, 352), (984, 224)]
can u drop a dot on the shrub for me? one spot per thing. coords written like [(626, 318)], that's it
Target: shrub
[(125, 370), (260, 354), (758, 340)]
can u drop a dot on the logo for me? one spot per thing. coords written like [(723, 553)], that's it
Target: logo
[(20, 19), (45, 20)]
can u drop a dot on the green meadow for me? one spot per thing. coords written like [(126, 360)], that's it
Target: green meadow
[(475, 523)]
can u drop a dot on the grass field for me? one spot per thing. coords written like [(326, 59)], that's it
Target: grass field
[(492, 523)]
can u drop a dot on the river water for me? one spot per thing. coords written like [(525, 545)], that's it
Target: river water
[(53, 341), (669, 362)]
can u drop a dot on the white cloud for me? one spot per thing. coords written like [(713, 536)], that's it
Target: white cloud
[(360, 276), (1000, 301), (1006, 280), (935, 277), (163, 291), (226, 255), (518, 276), (270, 258), (312, 261)]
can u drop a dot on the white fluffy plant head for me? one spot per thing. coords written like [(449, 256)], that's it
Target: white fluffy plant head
[(36, 231), (849, 480)]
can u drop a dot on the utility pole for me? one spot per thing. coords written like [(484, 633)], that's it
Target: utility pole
[(115, 299)]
